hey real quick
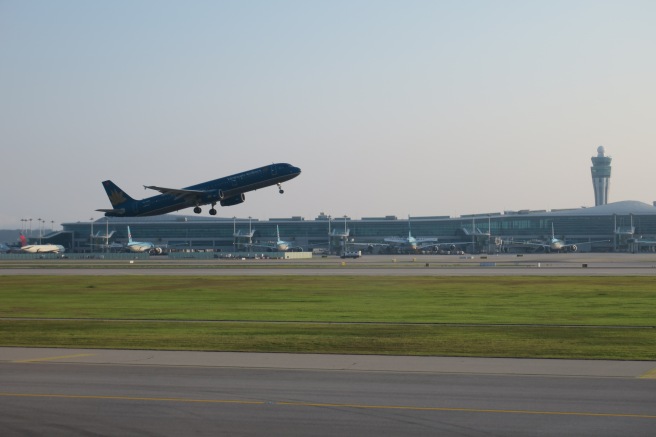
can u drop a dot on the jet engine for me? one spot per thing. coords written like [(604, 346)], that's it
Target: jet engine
[(234, 200), (573, 248), (156, 251), (217, 194)]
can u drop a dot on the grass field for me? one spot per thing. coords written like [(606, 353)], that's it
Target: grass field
[(558, 317)]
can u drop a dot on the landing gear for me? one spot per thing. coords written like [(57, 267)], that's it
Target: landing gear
[(213, 210), (197, 210), (280, 190)]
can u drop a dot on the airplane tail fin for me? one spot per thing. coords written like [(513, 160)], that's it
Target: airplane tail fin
[(117, 197), (23, 240), (129, 236)]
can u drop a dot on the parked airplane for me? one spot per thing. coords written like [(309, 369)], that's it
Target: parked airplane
[(279, 245), (418, 244), (225, 191), (141, 246), (413, 243), (554, 244), (39, 248)]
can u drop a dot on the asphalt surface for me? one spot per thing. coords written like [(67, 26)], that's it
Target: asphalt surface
[(553, 264), (65, 392), (109, 392)]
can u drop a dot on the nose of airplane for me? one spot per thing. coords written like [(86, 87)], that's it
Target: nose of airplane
[(296, 170)]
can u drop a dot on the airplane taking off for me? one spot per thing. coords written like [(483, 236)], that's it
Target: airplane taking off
[(40, 248), (554, 244), (225, 191), (141, 246)]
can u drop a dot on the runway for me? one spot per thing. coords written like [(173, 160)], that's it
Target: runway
[(109, 392), (553, 264)]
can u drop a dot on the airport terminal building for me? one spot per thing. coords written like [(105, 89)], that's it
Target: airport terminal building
[(628, 226)]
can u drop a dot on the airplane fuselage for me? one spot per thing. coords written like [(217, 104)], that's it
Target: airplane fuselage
[(140, 247), (409, 242), (43, 248), (556, 244), (226, 191)]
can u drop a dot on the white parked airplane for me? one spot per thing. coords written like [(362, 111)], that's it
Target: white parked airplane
[(141, 246), (413, 243), (40, 248), (278, 245), (554, 244)]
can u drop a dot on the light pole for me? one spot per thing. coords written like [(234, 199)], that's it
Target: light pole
[(91, 236), (329, 240), (345, 235), (489, 234), (250, 236), (234, 233), (30, 227), (40, 230)]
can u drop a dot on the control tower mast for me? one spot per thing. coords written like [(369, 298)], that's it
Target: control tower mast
[(600, 176)]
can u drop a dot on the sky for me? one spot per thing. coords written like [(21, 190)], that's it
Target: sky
[(405, 108)]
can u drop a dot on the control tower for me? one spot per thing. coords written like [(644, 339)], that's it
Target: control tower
[(600, 176)]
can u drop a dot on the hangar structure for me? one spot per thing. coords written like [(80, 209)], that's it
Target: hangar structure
[(628, 226)]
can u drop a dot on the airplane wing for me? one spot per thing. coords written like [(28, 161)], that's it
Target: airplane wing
[(642, 241), (586, 242), (116, 211), (592, 242), (443, 244), (401, 240), (266, 246), (179, 193), (528, 243)]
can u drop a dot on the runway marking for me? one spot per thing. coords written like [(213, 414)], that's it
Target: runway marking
[(470, 410), (61, 357), (651, 374), (331, 405), (132, 398)]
